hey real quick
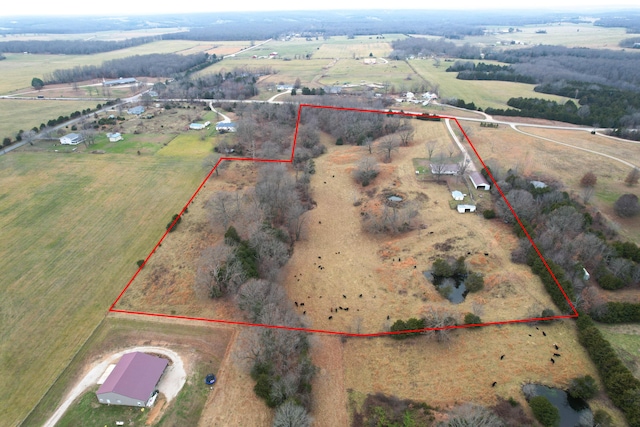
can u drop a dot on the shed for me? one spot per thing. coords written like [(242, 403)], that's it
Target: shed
[(71, 139), (457, 195), (538, 184), (133, 380), (114, 137), (466, 208), (199, 126), (479, 181), (120, 81)]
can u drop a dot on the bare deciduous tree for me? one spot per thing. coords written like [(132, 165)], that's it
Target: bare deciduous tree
[(439, 319), (469, 414), (633, 177), (406, 134), (224, 207), (211, 262), (522, 203), (431, 147), (589, 179), (386, 145), (367, 170), (289, 414)]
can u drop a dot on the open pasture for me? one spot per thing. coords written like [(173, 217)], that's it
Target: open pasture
[(563, 34), (482, 92), (17, 114), (73, 227), (545, 160), (18, 69)]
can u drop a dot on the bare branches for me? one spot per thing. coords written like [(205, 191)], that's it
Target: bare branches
[(388, 144)]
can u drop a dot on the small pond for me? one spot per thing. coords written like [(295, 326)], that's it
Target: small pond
[(573, 412), (450, 288)]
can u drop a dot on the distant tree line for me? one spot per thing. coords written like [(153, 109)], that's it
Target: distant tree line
[(630, 42), (423, 47), (152, 65), (468, 70), (550, 64), (72, 47), (628, 20)]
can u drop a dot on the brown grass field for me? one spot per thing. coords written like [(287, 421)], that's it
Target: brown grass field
[(546, 160)]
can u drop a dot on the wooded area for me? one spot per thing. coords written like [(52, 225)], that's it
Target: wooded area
[(71, 47)]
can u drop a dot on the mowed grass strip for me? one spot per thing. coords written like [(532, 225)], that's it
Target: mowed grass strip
[(73, 226)]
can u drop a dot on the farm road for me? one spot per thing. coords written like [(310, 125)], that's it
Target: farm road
[(170, 383)]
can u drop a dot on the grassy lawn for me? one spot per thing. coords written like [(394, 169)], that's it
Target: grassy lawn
[(16, 115), (131, 143), (189, 145), (205, 344), (87, 411), (73, 227), (625, 339)]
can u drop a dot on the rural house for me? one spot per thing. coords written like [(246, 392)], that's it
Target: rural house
[(445, 169), (71, 139), (226, 127), (133, 380), (479, 181)]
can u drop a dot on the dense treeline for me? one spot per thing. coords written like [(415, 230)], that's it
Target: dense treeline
[(239, 83), (622, 387), (71, 47), (540, 109), (547, 64), (618, 312), (152, 65), (468, 70), (630, 42), (630, 21), (422, 47)]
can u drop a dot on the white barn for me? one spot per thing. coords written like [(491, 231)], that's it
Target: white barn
[(114, 137), (479, 181), (466, 208)]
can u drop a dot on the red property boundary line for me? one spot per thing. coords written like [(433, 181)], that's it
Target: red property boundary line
[(112, 308)]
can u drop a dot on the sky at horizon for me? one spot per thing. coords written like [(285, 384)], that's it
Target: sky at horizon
[(83, 7)]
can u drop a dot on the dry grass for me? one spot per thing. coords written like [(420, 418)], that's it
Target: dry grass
[(548, 161)]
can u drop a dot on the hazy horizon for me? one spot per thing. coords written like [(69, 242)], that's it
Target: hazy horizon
[(82, 8)]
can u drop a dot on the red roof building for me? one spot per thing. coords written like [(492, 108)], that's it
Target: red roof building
[(133, 380)]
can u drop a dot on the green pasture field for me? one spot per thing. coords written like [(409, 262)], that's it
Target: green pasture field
[(131, 144), (625, 340), (18, 69), (189, 145), (483, 93), (17, 114), (563, 34), (73, 227)]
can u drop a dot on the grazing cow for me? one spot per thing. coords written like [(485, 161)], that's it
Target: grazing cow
[(296, 303), (304, 313), (346, 309), (387, 317), (415, 266), (502, 357), (330, 317), (341, 308), (301, 304), (553, 361), (344, 296), (556, 354), (331, 309), (360, 295), (494, 384), (398, 259), (556, 346), (319, 257), (529, 334), (544, 333), (537, 328)]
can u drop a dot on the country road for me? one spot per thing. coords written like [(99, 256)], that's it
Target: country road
[(486, 118)]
